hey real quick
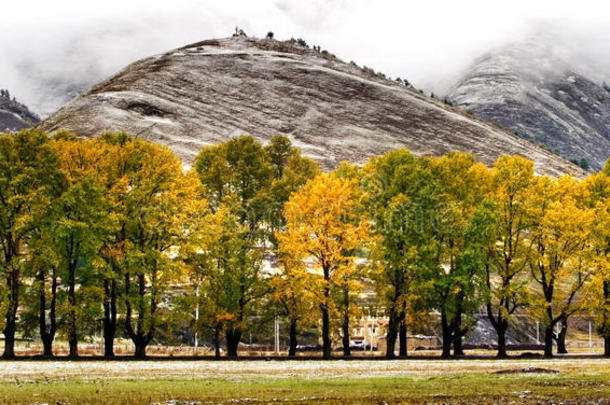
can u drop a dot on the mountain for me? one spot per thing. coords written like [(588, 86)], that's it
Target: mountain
[(14, 116), (530, 89), (206, 92)]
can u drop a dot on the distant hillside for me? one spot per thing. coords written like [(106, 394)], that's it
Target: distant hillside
[(14, 116), (206, 92), (530, 90)]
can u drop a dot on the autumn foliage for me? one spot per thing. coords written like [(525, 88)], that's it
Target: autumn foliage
[(111, 237)]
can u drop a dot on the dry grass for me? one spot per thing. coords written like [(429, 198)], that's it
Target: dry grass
[(37, 370), (337, 382)]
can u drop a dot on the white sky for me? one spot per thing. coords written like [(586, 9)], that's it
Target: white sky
[(46, 43)]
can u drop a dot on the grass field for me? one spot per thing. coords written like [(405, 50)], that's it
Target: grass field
[(337, 382)]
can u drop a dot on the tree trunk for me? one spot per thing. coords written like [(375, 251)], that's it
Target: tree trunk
[(606, 332), (292, 350), (402, 333), (391, 335), (140, 338), (233, 337), (548, 332), (72, 334), (141, 342), (110, 316), (326, 344), (42, 313), (140, 352), (458, 349), (345, 326), (73, 347), (561, 336), (11, 314), (9, 337), (447, 336), (47, 344), (501, 331), (347, 351), (217, 341), (548, 341), (47, 332), (458, 333)]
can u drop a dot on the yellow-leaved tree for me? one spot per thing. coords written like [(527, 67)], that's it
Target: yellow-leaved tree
[(560, 260), (291, 288), (323, 233), (597, 198), (512, 179), (222, 263), (121, 222)]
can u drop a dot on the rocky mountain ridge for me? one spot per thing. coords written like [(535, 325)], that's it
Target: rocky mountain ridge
[(530, 89), (206, 92), (14, 116)]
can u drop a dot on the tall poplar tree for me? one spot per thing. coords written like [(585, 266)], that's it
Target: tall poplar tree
[(322, 232), (465, 224), (509, 249), (238, 175), (29, 179), (401, 199), (560, 261)]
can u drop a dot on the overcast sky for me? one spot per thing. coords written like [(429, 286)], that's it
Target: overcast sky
[(48, 45)]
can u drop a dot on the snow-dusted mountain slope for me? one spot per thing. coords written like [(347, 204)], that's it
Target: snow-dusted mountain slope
[(527, 88), (14, 116), (206, 92)]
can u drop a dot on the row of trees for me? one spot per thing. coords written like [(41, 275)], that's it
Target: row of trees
[(111, 236)]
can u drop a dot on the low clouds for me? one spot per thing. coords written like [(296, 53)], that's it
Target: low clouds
[(52, 50)]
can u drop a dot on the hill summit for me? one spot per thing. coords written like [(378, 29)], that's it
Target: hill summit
[(206, 92), (531, 89)]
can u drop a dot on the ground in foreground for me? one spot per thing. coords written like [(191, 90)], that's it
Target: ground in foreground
[(406, 381)]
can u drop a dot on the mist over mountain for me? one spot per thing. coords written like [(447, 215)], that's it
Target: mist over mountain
[(530, 88), (54, 50), (206, 92)]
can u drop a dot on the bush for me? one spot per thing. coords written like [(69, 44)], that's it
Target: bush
[(239, 32), (583, 163), (270, 35)]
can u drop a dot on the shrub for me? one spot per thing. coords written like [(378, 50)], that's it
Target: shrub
[(239, 32), (583, 163)]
